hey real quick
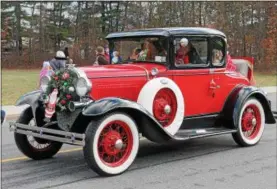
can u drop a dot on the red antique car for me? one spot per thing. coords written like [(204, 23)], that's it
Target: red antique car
[(170, 85)]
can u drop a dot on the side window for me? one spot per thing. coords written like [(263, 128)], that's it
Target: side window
[(218, 51), (191, 51)]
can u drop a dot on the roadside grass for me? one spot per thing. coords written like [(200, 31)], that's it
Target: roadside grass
[(18, 82), (263, 79)]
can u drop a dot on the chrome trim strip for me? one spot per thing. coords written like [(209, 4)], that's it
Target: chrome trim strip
[(139, 75)]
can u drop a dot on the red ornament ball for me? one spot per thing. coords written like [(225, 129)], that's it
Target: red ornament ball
[(68, 96), (56, 78), (66, 75), (63, 102)]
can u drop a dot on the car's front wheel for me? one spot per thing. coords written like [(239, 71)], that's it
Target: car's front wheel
[(251, 123), (112, 144), (32, 147)]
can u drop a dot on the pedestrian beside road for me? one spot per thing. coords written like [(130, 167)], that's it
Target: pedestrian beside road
[(100, 57), (3, 116), (58, 62)]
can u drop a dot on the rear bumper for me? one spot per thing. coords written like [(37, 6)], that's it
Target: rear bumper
[(49, 134)]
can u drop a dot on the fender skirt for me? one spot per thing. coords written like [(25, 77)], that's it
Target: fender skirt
[(146, 123), (31, 99), (236, 100)]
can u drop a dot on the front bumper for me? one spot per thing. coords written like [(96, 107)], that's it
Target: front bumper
[(49, 134)]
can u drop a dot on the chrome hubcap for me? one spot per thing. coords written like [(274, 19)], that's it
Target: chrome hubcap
[(118, 144), (254, 121), (167, 109)]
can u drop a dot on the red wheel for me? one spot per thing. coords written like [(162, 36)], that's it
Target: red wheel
[(115, 143), (251, 123), (111, 144), (165, 106)]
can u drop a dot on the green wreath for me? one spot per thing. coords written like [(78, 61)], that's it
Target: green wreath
[(64, 81)]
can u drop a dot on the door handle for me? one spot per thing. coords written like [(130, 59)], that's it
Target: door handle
[(213, 85)]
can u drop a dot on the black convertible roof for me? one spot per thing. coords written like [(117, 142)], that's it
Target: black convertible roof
[(166, 32)]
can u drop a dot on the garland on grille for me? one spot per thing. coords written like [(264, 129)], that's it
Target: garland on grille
[(64, 82)]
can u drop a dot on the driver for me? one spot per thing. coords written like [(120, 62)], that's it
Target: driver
[(182, 56), (187, 54)]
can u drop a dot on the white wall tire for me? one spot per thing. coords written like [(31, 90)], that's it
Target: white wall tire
[(251, 123), (151, 89), (103, 150)]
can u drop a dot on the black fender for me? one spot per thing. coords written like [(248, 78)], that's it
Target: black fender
[(32, 99), (146, 123), (238, 97)]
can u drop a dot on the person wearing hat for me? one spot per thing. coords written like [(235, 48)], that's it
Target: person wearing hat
[(187, 54), (59, 61), (182, 53)]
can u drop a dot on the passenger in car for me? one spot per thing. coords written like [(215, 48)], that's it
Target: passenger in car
[(187, 54), (145, 52), (135, 54), (181, 55), (217, 57)]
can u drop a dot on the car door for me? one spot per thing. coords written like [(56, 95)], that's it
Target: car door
[(194, 78), (223, 81)]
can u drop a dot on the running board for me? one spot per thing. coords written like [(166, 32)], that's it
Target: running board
[(50, 134), (200, 133)]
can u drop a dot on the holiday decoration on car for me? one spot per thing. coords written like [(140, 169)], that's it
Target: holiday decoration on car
[(51, 105), (63, 82)]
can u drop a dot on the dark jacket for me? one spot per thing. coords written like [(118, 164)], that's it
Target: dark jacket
[(57, 64), (194, 57), (101, 60), (3, 115)]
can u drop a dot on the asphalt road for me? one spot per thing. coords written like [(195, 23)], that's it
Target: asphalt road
[(215, 163)]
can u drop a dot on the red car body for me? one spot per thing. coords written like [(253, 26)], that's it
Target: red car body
[(196, 85), (155, 97)]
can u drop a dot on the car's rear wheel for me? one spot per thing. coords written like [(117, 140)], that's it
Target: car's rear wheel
[(112, 144), (32, 147), (251, 123)]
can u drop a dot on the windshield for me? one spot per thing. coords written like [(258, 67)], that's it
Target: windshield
[(143, 49)]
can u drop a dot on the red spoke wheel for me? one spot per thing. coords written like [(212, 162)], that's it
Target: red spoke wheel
[(165, 106), (115, 143), (111, 144), (251, 123)]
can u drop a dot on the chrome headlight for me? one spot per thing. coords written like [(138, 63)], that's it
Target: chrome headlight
[(44, 83), (83, 86)]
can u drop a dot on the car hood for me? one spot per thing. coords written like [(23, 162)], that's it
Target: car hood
[(121, 70)]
